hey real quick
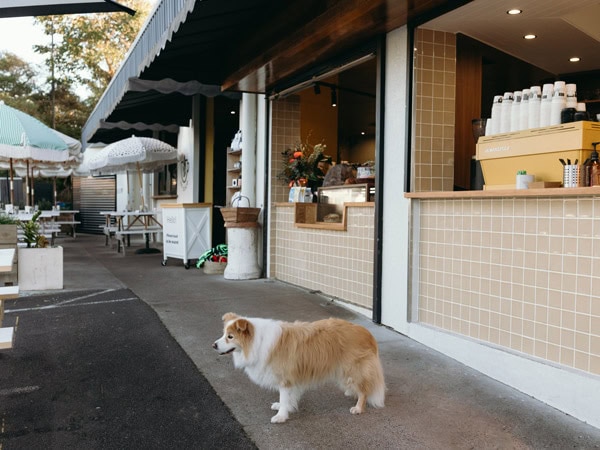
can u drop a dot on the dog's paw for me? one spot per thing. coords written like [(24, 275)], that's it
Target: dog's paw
[(279, 418), (356, 410), (275, 406)]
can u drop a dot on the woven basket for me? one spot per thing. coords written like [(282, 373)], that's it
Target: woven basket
[(240, 214), (213, 268)]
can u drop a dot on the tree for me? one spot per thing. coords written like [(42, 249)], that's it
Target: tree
[(19, 89), (88, 48), (17, 82)]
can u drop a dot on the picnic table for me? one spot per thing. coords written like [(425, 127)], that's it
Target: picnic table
[(124, 224)]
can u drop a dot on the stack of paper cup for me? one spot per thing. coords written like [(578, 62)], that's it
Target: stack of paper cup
[(524, 110), (546, 105), (571, 95), (535, 99), (559, 102), (506, 109), (515, 112), (494, 121)]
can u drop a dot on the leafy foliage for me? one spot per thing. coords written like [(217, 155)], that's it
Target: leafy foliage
[(31, 232), (88, 48), (17, 77), (5, 219), (301, 163), (19, 89), (18, 83)]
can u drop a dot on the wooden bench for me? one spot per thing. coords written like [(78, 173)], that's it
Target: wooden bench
[(69, 223), (7, 336), (108, 231), (6, 293), (6, 333), (123, 235)]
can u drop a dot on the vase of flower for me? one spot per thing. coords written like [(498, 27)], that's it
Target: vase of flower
[(301, 165)]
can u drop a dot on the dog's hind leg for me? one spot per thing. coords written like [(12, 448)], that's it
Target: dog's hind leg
[(288, 402)]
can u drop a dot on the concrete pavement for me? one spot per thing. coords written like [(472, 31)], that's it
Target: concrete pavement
[(433, 402)]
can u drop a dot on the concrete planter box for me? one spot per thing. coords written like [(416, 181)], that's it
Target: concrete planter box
[(40, 268)]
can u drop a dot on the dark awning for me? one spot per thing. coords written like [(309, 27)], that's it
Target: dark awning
[(246, 45), (24, 8)]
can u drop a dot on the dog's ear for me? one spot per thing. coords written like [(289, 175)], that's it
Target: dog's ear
[(243, 326), (229, 316)]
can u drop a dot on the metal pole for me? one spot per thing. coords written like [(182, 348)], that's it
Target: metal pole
[(27, 190), (12, 186)]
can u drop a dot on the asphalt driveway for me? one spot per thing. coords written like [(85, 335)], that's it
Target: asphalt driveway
[(98, 370)]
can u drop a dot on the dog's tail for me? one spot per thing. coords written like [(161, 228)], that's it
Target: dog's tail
[(377, 396)]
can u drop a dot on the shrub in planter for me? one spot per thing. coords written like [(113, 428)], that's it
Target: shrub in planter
[(31, 232)]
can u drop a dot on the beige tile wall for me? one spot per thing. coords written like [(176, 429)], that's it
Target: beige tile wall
[(337, 263), (285, 133), (435, 80), (519, 273)]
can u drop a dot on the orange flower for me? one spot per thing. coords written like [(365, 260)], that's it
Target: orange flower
[(297, 155)]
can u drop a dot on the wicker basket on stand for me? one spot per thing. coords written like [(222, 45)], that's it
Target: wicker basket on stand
[(235, 216)]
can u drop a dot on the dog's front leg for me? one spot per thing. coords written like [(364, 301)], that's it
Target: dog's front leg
[(288, 402)]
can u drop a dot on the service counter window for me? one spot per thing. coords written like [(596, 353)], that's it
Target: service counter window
[(470, 85), (330, 210)]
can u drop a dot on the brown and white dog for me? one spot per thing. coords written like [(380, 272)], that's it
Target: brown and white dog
[(293, 357)]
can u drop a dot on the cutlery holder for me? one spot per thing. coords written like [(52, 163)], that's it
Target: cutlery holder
[(572, 176)]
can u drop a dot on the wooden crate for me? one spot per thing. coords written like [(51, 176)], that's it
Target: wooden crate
[(305, 212)]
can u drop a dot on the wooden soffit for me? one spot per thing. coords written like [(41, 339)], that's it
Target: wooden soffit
[(310, 32)]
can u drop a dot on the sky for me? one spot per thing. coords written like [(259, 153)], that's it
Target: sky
[(19, 34)]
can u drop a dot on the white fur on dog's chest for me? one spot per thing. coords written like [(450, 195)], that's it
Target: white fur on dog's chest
[(262, 376), (255, 364)]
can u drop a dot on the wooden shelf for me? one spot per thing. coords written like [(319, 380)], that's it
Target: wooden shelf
[(234, 157)]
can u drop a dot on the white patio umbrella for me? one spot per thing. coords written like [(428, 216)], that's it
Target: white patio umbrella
[(25, 138), (141, 154)]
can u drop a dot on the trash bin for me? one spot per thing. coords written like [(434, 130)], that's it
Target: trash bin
[(187, 231), (242, 241)]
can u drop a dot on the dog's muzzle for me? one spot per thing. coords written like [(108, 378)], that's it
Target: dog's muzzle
[(216, 347)]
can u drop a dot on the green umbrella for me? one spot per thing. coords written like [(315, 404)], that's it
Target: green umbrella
[(23, 137)]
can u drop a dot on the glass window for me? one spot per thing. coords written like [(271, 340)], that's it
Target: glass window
[(167, 180)]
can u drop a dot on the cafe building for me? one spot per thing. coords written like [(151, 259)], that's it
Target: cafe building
[(428, 233)]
